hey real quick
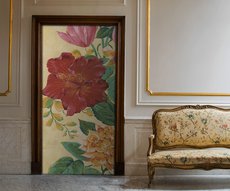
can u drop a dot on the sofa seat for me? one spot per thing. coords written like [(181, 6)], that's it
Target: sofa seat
[(191, 158)]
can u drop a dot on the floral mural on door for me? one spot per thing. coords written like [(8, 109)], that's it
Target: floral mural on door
[(78, 98)]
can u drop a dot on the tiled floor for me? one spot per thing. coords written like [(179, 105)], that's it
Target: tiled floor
[(108, 183)]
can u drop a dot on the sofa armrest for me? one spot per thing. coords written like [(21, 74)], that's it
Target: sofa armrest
[(151, 148)]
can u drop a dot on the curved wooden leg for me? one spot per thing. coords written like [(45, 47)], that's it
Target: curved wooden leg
[(151, 172)]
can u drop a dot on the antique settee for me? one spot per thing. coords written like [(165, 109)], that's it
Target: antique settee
[(189, 137)]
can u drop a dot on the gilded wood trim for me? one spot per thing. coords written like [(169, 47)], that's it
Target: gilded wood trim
[(148, 89), (203, 166), (9, 53), (151, 148)]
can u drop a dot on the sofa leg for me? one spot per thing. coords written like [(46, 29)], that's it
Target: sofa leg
[(151, 172)]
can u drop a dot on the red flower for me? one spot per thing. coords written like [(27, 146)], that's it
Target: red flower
[(81, 36), (77, 82)]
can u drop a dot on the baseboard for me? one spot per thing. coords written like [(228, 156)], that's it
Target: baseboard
[(141, 170), (15, 151), (136, 169)]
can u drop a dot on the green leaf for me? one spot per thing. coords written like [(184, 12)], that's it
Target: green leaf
[(61, 165), (72, 124), (112, 89), (49, 103), (89, 56), (73, 148), (104, 60), (105, 32), (86, 127), (90, 170), (108, 73), (66, 165), (73, 131), (105, 113), (76, 167), (46, 114), (204, 121)]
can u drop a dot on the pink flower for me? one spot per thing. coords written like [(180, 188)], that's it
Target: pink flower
[(76, 82), (81, 36)]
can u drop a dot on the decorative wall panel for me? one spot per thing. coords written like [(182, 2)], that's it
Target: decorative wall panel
[(141, 141), (136, 145), (80, 2), (160, 84), (14, 146), (10, 64), (6, 14)]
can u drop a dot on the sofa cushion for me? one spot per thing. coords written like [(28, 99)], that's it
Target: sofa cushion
[(190, 157), (192, 127)]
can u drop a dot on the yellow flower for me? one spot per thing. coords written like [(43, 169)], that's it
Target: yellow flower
[(100, 147), (76, 53), (109, 53), (58, 106), (89, 51)]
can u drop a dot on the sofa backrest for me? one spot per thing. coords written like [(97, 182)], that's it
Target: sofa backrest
[(192, 126)]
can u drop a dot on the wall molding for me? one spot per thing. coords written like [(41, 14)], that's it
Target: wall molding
[(136, 145), (131, 121), (8, 44), (139, 57), (14, 121), (136, 169), (15, 146), (13, 99), (80, 2), (143, 102), (142, 96)]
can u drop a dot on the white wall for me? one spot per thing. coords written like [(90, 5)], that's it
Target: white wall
[(15, 108), (15, 129)]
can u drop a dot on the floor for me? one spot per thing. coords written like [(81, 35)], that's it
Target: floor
[(109, 183)]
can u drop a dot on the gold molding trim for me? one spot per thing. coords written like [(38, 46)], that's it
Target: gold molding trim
[(9, 53), (148, 89)]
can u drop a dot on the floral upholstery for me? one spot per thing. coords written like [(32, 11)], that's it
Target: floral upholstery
[(203, 127), (192, 127), (190, 157)]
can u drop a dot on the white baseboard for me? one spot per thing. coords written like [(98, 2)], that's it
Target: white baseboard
[(15, 146), (141, 170)]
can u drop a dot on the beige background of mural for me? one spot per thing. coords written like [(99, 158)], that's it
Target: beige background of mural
[(53, 150)]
